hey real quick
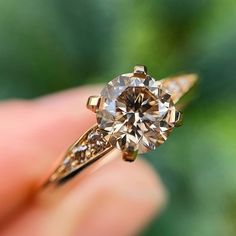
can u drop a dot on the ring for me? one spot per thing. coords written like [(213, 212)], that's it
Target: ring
[(135, 114)]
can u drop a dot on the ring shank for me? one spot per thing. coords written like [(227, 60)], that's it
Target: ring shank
[(89, 148), (179, 85)]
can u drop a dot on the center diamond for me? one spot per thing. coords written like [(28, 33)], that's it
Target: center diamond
[(135, 113)]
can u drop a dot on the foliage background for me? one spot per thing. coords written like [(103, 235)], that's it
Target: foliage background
[(47, 46)]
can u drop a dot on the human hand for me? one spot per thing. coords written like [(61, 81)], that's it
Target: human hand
[(117, 199)]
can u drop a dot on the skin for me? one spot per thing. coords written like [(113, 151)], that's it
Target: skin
[(119, 198)]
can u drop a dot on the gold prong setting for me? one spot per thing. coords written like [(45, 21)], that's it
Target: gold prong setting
[(136, 112), (140, 71), (178, 118), (120, 111), (94, 102), (129, 156)]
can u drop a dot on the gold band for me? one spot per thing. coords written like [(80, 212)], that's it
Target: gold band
[(92, 145)]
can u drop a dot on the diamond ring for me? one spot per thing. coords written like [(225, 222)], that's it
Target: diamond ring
[(135, 114)]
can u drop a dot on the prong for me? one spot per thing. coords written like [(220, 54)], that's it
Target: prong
[(93, 103), (129, 156), (178, 119), (140, 71)]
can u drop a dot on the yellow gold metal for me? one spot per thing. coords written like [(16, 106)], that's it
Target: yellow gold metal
[(140, 71), (93, 103), (94, 145), (129, 156), (179, 119)]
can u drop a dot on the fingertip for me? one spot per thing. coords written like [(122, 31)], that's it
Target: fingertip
[(74, 96), (128, 196)]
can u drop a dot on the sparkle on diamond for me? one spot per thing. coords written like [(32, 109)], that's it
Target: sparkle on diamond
[(136, 114)]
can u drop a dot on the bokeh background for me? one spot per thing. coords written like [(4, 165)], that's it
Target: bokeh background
[(46, 46)]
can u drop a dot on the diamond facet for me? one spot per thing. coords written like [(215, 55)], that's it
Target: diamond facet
[(137, 113)]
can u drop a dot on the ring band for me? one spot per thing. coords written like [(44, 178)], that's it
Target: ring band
[(94, 143)]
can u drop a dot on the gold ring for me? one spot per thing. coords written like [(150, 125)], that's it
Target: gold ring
[(135, 114)]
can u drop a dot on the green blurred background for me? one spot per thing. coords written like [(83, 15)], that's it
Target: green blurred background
[(46, 46)]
